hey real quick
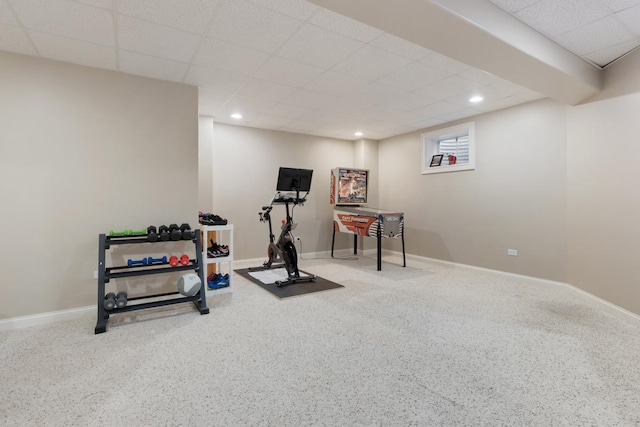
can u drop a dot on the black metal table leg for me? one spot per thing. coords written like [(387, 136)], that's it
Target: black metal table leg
[(379, 236), (333, 240)]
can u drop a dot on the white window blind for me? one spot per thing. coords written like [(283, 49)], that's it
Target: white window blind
[(458, 146)]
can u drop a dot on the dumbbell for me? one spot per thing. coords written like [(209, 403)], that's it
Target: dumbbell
[(132, 262), (152, 234), (138, 232), (174, 260), (121, 299), (187, 233), (109, 301), (164, 233), (174, 232), (151, 260), (120, 233)]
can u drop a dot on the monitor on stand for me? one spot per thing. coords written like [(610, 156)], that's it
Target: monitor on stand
[(293, 179)]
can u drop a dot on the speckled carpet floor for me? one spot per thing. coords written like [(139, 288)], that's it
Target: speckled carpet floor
[(425, 345)]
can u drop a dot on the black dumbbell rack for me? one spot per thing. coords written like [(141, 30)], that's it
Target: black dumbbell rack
[(105, 274)]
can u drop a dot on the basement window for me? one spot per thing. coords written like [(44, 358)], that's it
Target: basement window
[(448, 150)]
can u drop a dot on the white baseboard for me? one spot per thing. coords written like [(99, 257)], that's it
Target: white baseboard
[(75, 313), (590, 299), (45, 318), (255, 262)]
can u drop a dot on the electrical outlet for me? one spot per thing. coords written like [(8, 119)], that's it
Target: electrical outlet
[(95, 274), (297, 238), (512, 252)]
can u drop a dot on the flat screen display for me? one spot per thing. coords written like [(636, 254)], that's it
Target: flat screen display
[(292, 179)]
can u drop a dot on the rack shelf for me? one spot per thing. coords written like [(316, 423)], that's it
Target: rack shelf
[(214, 265), (105, 274)]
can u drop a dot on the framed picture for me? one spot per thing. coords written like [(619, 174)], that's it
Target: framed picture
[(436, 160)]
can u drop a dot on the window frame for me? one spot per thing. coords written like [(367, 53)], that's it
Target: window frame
[(431, 146)]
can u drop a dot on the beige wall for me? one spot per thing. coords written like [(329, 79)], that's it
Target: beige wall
[(84, 151), (205, 164), (603, 201), (515, 198), (245, 170)]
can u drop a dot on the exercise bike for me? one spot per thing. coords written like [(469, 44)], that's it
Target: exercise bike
[(282, 252)]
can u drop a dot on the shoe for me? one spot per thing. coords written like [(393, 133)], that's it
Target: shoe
[(211, 219), (213, 277), (219, 281), (216, 250)]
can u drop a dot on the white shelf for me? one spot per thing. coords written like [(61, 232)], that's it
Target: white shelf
[(206, 230)]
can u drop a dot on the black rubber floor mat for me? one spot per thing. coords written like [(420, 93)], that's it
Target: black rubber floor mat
[(319, 284)]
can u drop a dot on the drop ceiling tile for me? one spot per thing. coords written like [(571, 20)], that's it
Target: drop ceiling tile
[(299, 9), (140, 36), (14, 39), (451, 86), (373, 93), (6, 16), (371, 63), (245, 104), (68, 19), (325, 117), (349, 107), (611, 53), (427, 123), (553, 17), (286, 72), (400, 130), (74, 51), (479, 76), (338, 132), (214, 79), (618, 5), (192, 16), (250, 25), (408, 101), (631, 18), (595, 36), (261, 89), (336, 84), (308, 99), (250, 109), (105, 4), (344, 25), (512, 5), (213, 97), (317, 46), (413, 76), (220, 54), (460, 114), (268, 121), (401, 47), (226, 119), (499, 104), (291, 111), (300, 126), (151, 66), (387, 114), (444, 63), (436, 109)]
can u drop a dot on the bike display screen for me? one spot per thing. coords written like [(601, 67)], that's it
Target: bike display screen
[(292, 179)]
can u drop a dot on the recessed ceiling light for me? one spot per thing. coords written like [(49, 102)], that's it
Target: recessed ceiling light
[(476, 99), (358, 133), (236, 116)]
